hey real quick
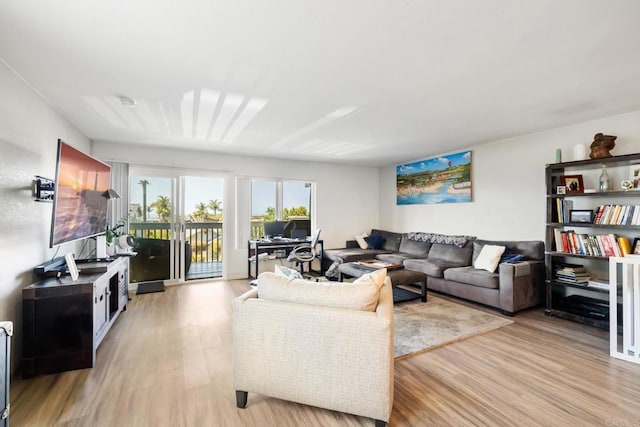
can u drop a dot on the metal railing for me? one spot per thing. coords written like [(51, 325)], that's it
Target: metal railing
[(205, 238)]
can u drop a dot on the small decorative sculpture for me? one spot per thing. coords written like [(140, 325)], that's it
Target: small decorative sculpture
[(627, 185), (601, 145)]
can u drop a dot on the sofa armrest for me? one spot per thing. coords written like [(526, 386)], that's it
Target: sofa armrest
[(333, 358), (521, 285)]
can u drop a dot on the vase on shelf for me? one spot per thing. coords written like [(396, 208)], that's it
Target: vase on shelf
[(579, 152), (605, 181)]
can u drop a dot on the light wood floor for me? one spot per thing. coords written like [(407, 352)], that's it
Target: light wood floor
[(168, 361)]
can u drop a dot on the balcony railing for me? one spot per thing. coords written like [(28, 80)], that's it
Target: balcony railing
[(205, 238)]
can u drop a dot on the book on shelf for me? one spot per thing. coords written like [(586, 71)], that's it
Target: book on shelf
[(557, 235), (600, 245), (617, 215), (598, 284), (563, 210), (574, 274)]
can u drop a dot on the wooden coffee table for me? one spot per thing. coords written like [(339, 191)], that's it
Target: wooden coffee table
[(399, 276)]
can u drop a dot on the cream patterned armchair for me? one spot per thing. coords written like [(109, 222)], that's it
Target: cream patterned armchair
[(323, 344)]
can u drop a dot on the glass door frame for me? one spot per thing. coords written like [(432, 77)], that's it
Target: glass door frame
[(177, 231)]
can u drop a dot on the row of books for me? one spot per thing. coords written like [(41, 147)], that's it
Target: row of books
[(603, 245), (563, 208), (617, 215), (574, 274)]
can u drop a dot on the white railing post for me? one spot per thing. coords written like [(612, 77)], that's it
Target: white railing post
[(629, 282)]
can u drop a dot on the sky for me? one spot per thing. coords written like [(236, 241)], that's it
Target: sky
[(198, 189), (202, 189), (294, 194), (435, 163)]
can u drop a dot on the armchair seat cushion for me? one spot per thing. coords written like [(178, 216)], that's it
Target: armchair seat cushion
[(473, 276), (362, 294)]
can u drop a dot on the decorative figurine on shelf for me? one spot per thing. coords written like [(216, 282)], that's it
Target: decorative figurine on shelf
[(601, 145), (627, 185)]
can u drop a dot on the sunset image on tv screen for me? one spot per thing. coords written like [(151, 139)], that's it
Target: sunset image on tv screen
[(80, 205)]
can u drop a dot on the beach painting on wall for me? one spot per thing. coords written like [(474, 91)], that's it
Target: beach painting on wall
[(444, 179)]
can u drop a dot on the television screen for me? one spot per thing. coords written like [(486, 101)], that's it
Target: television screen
[(80, 205)]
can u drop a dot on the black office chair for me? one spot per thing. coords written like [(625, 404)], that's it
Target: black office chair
[(305, 252)]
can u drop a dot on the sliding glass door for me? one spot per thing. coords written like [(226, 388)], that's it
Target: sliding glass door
[(177, 222)]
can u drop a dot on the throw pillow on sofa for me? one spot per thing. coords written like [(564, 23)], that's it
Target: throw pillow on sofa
[(281, 270), (360, 238), (510, 257), (489, 258), (375, 241)]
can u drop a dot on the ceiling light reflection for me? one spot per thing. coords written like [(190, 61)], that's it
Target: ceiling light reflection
[(253, 107)]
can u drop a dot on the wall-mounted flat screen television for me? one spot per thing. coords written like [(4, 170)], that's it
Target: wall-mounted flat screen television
[(80, 205)]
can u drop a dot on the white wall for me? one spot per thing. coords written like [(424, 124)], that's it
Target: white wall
[(346, 196), (508, 183), (29, 130)]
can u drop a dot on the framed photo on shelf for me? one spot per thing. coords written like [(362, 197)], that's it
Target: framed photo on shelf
[(561, 189), (635, 250), (578, 215), (573, 183), (634, 175)]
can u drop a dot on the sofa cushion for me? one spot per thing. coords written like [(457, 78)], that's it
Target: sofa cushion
[(375, 241), (489, 258), (456, 256), (393, 258), (391, 240), (473, 276), (362, 294), (431, 267), (414, 248), (351, 254)]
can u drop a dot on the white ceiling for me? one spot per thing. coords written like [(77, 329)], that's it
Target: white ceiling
[(363, 82)]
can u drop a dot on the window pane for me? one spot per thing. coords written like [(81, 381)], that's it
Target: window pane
[(296, 200), (296, 208), (263, 205)]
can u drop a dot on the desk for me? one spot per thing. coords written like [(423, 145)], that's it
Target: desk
[(257, 247)]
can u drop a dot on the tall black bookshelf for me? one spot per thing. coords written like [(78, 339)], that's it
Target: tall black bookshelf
[(579, 302)]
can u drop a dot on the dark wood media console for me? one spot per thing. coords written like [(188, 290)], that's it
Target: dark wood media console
[(65, 321)]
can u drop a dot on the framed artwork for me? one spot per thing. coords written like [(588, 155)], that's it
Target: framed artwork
[(573, 183), (444, 179), (634, 172), (585, 216)]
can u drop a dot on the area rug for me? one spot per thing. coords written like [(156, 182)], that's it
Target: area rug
[(423, 326), (149, 287)]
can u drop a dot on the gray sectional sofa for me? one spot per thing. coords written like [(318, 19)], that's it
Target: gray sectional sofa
[(448, 262)]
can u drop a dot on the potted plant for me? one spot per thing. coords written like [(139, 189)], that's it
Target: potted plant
[(112, 233)]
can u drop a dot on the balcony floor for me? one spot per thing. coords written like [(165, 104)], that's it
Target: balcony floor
[(204, 270)]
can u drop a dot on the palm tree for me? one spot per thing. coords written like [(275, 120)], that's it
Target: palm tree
[(144, 184), (200, 213), (162, 207), (215, 206)]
